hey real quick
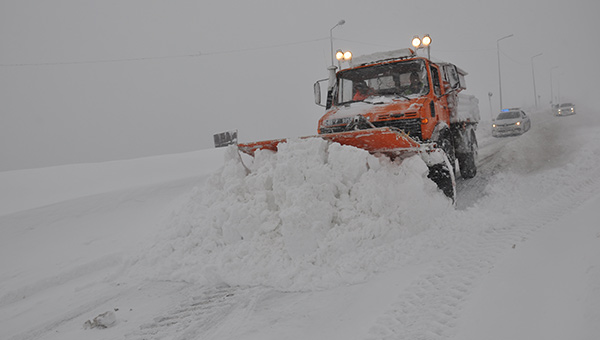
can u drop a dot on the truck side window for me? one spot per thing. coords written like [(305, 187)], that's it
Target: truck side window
[(435, 76)]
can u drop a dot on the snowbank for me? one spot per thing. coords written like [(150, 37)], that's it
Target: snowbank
[(310, 216), (32, 188)]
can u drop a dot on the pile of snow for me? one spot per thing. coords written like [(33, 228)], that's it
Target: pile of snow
[(311, 216)]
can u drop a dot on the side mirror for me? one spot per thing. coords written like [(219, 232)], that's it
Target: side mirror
[(317, 92)]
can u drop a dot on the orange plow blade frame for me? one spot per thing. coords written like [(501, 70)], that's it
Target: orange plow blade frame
[(385, 140)]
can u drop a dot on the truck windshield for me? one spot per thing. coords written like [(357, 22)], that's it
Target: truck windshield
[(398, 79)]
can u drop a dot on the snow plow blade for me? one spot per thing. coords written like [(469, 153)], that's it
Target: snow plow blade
[(386, 140)]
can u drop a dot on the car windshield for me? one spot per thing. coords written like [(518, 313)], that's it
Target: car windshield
[(509, 115), (566, 105), (400, 79)]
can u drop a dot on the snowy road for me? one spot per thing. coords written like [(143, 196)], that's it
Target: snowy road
[(502, 257)]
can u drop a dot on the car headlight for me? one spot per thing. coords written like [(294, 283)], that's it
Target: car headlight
[(518, 123)]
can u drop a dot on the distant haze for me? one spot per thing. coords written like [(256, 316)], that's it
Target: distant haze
[(90, 81)]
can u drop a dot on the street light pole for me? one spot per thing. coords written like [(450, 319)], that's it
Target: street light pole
[(499, 73), (551, 84), (491, 111), (533, 76), (558, 90), (340, 23)]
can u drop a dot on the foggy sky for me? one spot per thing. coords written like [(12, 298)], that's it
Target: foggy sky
[(89, 81)]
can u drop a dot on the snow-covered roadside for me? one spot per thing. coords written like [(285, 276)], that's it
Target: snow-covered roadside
[(545, 288), (66, 232), (428, 281), (26, 189)]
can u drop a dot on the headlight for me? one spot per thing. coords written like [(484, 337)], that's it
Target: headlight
[(493, 125), (518, 123)]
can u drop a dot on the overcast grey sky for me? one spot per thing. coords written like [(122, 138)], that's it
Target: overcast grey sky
[(88, 81)]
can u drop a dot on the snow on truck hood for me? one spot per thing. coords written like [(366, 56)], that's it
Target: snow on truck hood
[(373, 105)]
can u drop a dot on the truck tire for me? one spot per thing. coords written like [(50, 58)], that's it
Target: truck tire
[(466, 161), (442, 173)]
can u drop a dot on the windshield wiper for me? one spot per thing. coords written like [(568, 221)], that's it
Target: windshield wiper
[(402, 96)]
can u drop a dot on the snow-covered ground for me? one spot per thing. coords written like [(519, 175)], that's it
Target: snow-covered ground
[(317, 241)]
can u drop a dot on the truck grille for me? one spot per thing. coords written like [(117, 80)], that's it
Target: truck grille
[(411, 127)]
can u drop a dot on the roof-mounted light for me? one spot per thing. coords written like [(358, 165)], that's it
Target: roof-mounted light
[(422, 43), (426, 40), (416, 41), (341, 55)]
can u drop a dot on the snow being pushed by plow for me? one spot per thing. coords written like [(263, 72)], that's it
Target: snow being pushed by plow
[(311, 216)]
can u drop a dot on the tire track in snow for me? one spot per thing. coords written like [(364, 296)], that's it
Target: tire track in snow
[(201, 315), (431, 306)]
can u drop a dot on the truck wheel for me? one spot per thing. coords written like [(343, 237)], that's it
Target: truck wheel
[(442, 174), (466, 163)]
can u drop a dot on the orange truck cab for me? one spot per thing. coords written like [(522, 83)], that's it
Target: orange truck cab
[(401, 90)]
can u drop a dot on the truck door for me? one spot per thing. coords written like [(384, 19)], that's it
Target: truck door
[(440, 102)]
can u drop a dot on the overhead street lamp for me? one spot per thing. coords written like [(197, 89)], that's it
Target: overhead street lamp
[(499, 74), (533, 76), (340, 23), (331, 69)]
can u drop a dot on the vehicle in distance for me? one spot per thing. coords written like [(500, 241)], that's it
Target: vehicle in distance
[(511, 122), (565, 109)]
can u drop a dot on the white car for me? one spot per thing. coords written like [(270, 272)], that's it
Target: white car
[(565, 109), (511, 122)]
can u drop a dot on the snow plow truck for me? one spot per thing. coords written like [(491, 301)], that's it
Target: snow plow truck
[(399, 104)]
